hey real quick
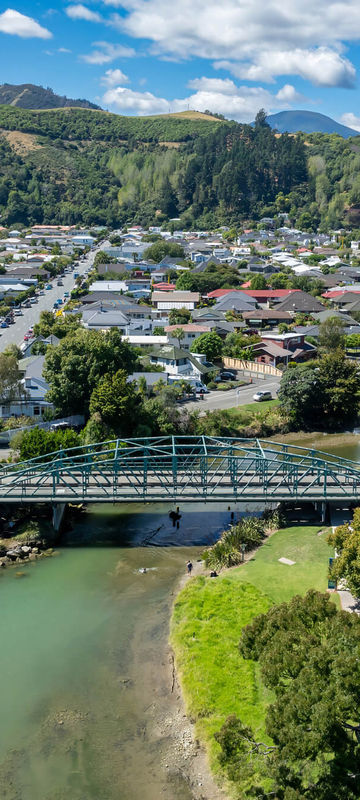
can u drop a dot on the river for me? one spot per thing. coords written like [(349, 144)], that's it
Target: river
[(87, 711), (87, 707)]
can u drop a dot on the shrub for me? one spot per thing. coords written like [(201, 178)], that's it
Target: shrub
[(228, 551)]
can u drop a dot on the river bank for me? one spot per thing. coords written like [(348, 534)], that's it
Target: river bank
[(206, 625)]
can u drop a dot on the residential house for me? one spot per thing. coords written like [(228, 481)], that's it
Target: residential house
[(281, 348), (300, 302), (31, 402), (191, 331), (266, 317), (178, 362), (165, 301)]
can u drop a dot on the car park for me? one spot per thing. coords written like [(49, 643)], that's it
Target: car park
[(262, 395)]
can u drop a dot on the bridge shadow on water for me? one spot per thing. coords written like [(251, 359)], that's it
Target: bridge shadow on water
[(144, 525)]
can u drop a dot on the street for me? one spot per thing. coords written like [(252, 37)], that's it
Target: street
[(233, 397), (15, 333)]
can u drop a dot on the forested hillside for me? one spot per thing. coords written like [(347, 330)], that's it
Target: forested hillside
[(28, 95), (78, 166)]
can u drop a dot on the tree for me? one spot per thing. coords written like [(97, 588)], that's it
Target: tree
[(258, 282), (157, 251), (346, 541), (210, 344), (74, 368), (331, 334), (11, 387), (179, 316), (321, 394), (340, 382), (103, 258), (308, 654), (178, 334), (38, 442), (117, 402)]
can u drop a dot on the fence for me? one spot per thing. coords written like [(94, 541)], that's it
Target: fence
[(252, 366)]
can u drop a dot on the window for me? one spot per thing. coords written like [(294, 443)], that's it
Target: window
[(36, 411)]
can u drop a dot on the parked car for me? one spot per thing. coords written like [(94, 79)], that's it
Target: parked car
[(4, 324), (260, 396), (26, 337), (59, 282), (48, 286), (18, 312), (33, 300), (66, 294)]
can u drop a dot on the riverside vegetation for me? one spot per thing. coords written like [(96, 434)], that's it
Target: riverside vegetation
[(270, 676)]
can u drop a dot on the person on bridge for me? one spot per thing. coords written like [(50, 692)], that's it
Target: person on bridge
[(189, 567)]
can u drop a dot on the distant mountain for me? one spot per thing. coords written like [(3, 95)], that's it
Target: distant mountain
[(27, 95), (308, 122)]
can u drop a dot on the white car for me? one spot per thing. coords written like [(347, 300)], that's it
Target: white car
[(259, 396)]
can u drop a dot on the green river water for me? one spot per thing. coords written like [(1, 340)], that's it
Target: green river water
[(83, 653), (84, 658)]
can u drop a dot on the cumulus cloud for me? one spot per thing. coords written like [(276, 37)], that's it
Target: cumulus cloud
[(351, 120), (79, 11), (105, 52), (221, 96), (114, 77), (296, 38), (321, 66), (20, 25), (142, 103)]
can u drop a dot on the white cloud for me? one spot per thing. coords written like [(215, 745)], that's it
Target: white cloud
[(321, 66), (19, 25), (63, 50), (141, 103), (221, 96), (288, 94), (79, 11), (114, 77), (295, 38), (106, 52), (351, 120)]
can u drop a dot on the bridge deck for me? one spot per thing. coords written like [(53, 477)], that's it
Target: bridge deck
[(182, 468)]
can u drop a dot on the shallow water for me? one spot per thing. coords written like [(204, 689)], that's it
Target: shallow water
[(83, 652)]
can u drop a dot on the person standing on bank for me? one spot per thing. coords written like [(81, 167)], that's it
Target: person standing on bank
[(189, 567)]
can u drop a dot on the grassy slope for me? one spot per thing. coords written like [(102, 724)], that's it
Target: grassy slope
[(208, 618)]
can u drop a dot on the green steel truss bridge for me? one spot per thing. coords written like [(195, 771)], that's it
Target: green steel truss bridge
[(182, 469)]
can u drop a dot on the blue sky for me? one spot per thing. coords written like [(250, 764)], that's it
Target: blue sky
[(151, 56)]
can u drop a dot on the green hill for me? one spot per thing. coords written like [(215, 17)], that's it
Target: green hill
[(27, 95), (75, 165)]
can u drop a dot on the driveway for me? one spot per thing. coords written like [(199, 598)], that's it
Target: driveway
[(233, 397)]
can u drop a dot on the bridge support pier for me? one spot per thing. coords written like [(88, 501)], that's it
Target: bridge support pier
[(322, 508), (58, 514)]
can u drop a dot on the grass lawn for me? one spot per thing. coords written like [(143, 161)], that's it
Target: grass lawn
[(251, 408), (279, 581), (207, 621), (205, 632)]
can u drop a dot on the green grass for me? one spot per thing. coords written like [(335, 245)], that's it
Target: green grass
[(282, 582), (209, 615), (205, 632), (259, 408)]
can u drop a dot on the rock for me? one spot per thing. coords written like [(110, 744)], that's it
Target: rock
[(12, 555), (26, 549), (34, 549)]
